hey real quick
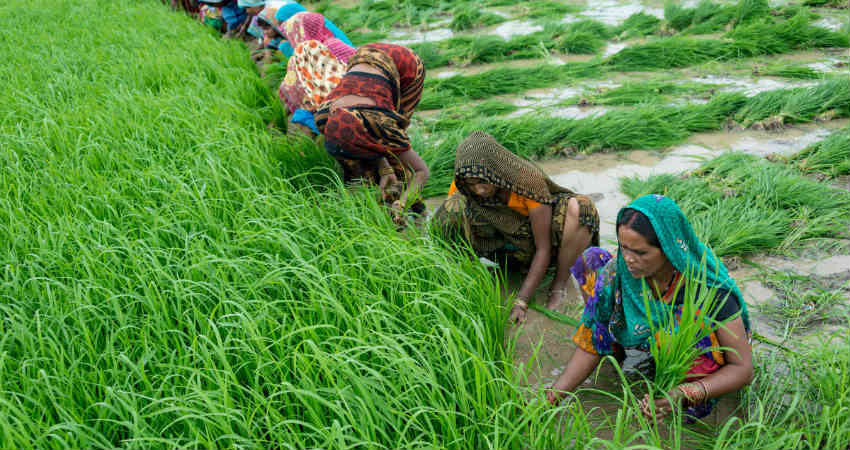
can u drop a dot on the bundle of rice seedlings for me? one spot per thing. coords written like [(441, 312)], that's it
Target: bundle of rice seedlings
[(674, 343), (708, 20), (440, 93), (668, 53), (797, 72), (359, 38), (794, 33), (798, 104), (466, 16), (547, 8), (830, 156), (741, 203), (637, 25), (750, 11), (678, 17)]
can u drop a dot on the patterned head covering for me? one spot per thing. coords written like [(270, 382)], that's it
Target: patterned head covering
[(683, 249), (250, 3), (481, 156), (307, 26), (267, 15)]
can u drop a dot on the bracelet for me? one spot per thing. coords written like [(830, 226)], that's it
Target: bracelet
[(521, 303), (386, 171), (704, 389), (692, 392)]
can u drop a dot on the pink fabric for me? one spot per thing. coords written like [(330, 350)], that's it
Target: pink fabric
[(340, 49), (703, 365), (307, 26)]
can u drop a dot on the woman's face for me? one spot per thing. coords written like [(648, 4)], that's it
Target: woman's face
[(480, 187), (642, 259)]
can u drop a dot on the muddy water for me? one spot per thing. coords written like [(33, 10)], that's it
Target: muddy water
[(613, 12)]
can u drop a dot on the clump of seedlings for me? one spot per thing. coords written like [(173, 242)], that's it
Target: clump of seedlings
[(792, 71), (830, 156), (466, 16), (441, 93), (805, 301), (741, 204), (583, 37), (773, 109), (759, 38), (637, 25)]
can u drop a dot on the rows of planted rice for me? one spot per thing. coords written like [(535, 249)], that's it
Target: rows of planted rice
[(175, 275)]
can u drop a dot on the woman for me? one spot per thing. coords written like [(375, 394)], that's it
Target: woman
[(656, 246), (284, 12), (365, 118), (315, 68), (506, 206), (234, 17)]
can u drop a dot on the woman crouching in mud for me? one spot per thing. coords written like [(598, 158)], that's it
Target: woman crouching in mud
[(507, 207), (657, 246)]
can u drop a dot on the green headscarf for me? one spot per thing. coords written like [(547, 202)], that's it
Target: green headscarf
[(684, 250)]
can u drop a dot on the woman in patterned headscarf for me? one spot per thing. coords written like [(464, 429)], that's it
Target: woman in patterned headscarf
[(506, 207), (658, 249), (315, 68), (365, 118)]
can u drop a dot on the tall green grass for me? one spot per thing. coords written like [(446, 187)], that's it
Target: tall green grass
[(175, 276)]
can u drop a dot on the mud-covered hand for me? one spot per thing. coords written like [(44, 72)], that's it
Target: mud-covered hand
[(554, 396), (518, 312), (663, 406), (387, 180)]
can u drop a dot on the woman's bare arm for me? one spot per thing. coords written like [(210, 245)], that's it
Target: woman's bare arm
[(412, 160), (581, 365)]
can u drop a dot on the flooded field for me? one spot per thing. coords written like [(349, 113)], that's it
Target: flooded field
[(177, 271)]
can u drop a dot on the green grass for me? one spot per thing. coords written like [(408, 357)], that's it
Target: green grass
[(740, 204), (173, 276), (830, 156)]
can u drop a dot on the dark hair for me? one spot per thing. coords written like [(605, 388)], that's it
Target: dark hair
[(638, 222)]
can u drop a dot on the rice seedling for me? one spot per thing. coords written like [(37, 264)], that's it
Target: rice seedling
[(470, 16), (634, 93), (793, 71), (804, 301), (678, 17), (583, 37), (637, 25), (441, 93), (675, 338), (842, 4), (174, 276), (711, 18), (758, 38), (749, 11), (830, 156), (798, 104), (536, 9), (360, 38), (740, 204)]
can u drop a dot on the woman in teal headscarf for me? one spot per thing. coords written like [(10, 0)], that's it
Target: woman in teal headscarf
[(657, 249)]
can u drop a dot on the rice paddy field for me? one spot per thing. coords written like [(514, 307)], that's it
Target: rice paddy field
[(174, 272)]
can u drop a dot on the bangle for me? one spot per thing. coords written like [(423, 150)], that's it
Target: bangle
[(386, 171), (521, 303), (704, 389), (692, 392)]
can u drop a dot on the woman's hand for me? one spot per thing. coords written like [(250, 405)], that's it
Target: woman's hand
[(518, 312), (663, 406), (554, 396), (387, 180)]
